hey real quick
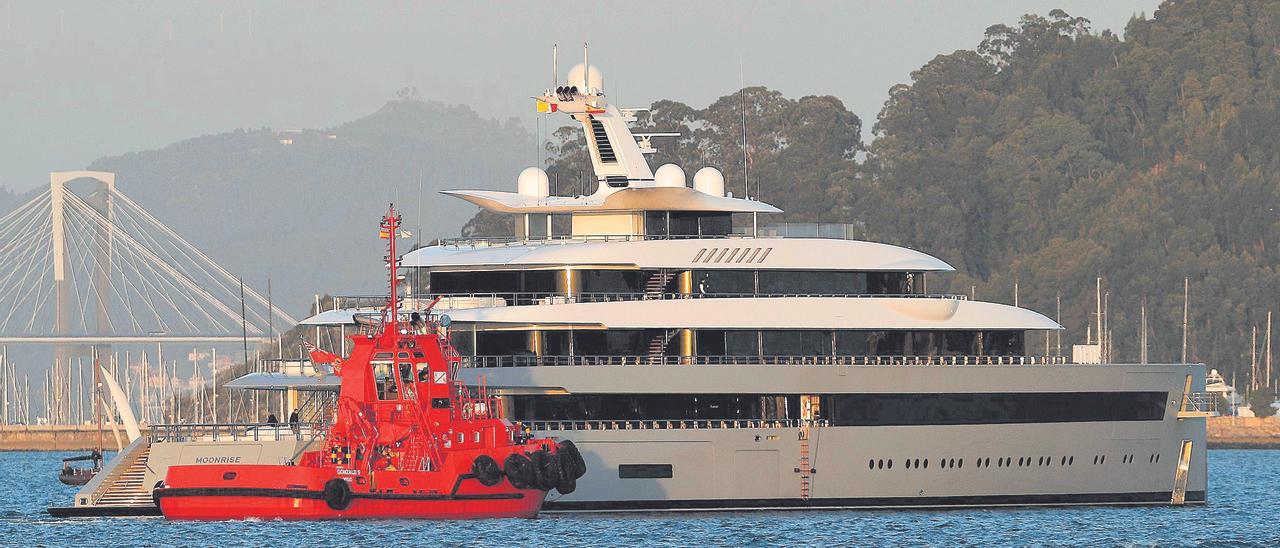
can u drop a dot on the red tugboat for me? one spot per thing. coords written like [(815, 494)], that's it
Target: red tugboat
[(408, 441)]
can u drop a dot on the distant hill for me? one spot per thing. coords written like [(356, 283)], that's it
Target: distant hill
[(305, 213)]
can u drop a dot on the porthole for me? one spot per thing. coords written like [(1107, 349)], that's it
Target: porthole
[(890, 464), (908, 465), (1103, 460), (880, 464), (1071, 460), (871, 464), (951, 463), (926, 464), (1157, 458), (1095, 459), (1064, 461), (1019, 461), (961, 463), (917, 463)]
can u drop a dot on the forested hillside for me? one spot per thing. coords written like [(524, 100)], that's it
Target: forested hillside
[(1048, 155)]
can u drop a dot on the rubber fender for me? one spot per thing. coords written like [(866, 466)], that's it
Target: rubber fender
[(548, 470), (572, 459), (337, 494), (486, 471), (567, 486), (519, 471)]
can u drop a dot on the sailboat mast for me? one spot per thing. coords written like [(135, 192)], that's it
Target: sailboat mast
[(97, 398), (1186, 305)]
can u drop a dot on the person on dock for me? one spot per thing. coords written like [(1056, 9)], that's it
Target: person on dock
[(271, 419), (293, 421)]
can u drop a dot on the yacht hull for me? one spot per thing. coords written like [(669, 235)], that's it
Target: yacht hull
[(714, 465)]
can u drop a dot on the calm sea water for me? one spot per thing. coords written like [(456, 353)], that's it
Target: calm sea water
[(1244, 510)]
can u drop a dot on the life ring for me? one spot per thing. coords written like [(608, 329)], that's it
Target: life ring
[(486, 471), (337, 494), (520, 471)]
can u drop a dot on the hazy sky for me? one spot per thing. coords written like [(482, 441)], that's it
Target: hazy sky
[(79, 81)]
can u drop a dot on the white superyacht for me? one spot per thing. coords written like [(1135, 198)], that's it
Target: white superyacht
[(701, 361), (700, 365)]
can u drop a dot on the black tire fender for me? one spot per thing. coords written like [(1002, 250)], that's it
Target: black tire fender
[(486, 471), (337, 494), (572, 459), (519, 471), (548, 470)]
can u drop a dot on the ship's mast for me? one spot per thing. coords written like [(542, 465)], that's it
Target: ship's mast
[(390, 229)]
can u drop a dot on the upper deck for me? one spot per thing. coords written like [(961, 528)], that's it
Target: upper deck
[(758, 252)]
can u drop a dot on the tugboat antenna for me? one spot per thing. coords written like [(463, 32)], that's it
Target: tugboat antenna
[(555, 70)]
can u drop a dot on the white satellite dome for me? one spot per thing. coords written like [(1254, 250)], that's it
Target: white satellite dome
[(669, 175), (709, 180), (533, 182), (595, 79)]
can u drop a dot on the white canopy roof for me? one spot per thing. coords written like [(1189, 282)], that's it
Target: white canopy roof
[(769, 313), (710, 253), (629, 199), (281, 381)]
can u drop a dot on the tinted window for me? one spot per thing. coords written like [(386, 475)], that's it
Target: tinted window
[(997, 408), (655, 407), (610, 281), (811, 282), (640, 471), (715, 224), (742, 343), (742, 282), (655, 223)]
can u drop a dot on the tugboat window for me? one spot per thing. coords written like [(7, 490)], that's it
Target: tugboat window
[(386, 385)]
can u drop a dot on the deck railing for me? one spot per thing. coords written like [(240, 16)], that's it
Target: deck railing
[(302, 431), (1199, 404), (671, 424), (824, 360), (825, 231), (523, 298)]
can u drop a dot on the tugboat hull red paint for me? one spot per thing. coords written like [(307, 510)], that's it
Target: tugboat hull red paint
[(407, 441), (298, 493)]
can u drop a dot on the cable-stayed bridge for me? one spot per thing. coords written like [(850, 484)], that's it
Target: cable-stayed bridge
[(97, 268), (83, 267)]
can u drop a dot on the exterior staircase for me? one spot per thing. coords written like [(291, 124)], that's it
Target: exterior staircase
[(124, 486), (658, 345), (656, 285)]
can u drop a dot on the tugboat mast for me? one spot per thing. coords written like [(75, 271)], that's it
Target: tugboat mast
[(390, 229)]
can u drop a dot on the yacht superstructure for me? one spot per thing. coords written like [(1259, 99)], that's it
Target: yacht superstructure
[(701, 363)]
